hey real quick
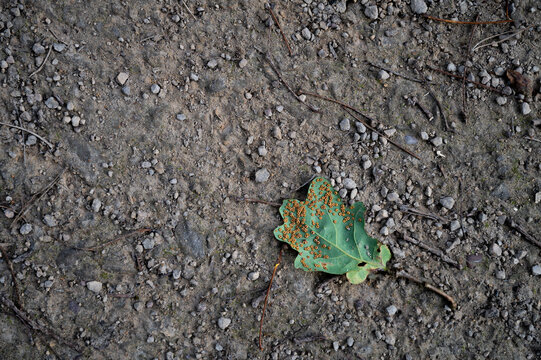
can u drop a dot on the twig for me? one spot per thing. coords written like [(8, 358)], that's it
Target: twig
[(36, 197), (346, 106), (43, 63), (468, 54), (470, 81), (431, 216), (28, 131), (468, 22), (532, 139), (16, 291), (267, 298), (258, 201), (396, 73), (309, 338), (57, 38), (148, 38), (105, 244), (25, 319), (441, 111), (516, 226), (513, 34), (275, 69), (187, 8), (415, 102), (405, 275), (431, 250), (280, 28)]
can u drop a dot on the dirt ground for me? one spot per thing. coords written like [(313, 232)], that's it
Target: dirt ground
[(133, 132)]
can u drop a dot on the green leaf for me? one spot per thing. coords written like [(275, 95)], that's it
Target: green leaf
[(329, 235)]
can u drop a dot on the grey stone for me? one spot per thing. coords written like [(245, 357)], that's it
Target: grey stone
[(447, 202), (223, 323), (391, 310), (25, 229), (418, 6), (536, 270), (138, 306), (371, 12), (410, 140), (181, 117), (262, 175), (495, 249), (437, 141), (361, 128), (148, 243), (306, 33), (94, 286), (51, 103), (501, 100), (500, 275), (451, 67), (344, 125), (155, 88), (455, 225), (341, 6), (59, 47), (525, 108), (191, 242), (212, 64), (96, 205), (349, 183), (38, 49), (242, 63), (383, 75), (350, 341), (393, 196), (31, 140), (122, 77), (424, 135), (126, 90), (50, 220), (253, 276)]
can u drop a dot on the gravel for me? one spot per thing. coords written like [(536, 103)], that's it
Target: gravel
[(418, 6), (525, 108), (94, 286), (383, 75), (349, 183), (262, 175), (447, 202), (536, 270), (495, 249), (391, 310), (437, 141), (371, 12), (25, 229), (345, 124), (155, 88), (223, 323), (51, 103), (122, 77)]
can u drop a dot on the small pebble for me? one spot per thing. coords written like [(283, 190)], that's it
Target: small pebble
[(223, 323), (451, 67), (473, 260), (262, 175), (371, 12), (181, 117), (393, 196), (447, 202), (122, 77), (254, 275), (525, 108), (345, 125), (126, 90), (25, 229), (243, 63), (536, 270), (437, 141), (212, 64), (501, 100), (424, 135), (155, 88), (336, 345), (9, 213), (350, 341), (455, 225), (391, 310), (418, 6), (138, 306), (94, 286), (96, 205), (51, 103), (383, 75), (349, 184), (49, 220), (500, 275), (495, 249)]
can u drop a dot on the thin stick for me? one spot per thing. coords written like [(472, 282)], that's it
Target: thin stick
[(148, 38), (513, 34), (431, 250), (414, 101), (532, 139), (462, 77), (280, 28), (396, 73), (28, 131), (259, 201), (123, 236), (16, 290), (56, 37), (468, 22), (187, 8), (405, 275), (43, 63), (36, 197), (441, 111), (275, 69), (267, 298), (514, 225), (431, 216), (25, 319)]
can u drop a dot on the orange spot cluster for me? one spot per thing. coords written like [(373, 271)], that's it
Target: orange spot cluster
[(321, 199)]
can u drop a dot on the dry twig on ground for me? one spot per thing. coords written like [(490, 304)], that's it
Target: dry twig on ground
[(405, 275)]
